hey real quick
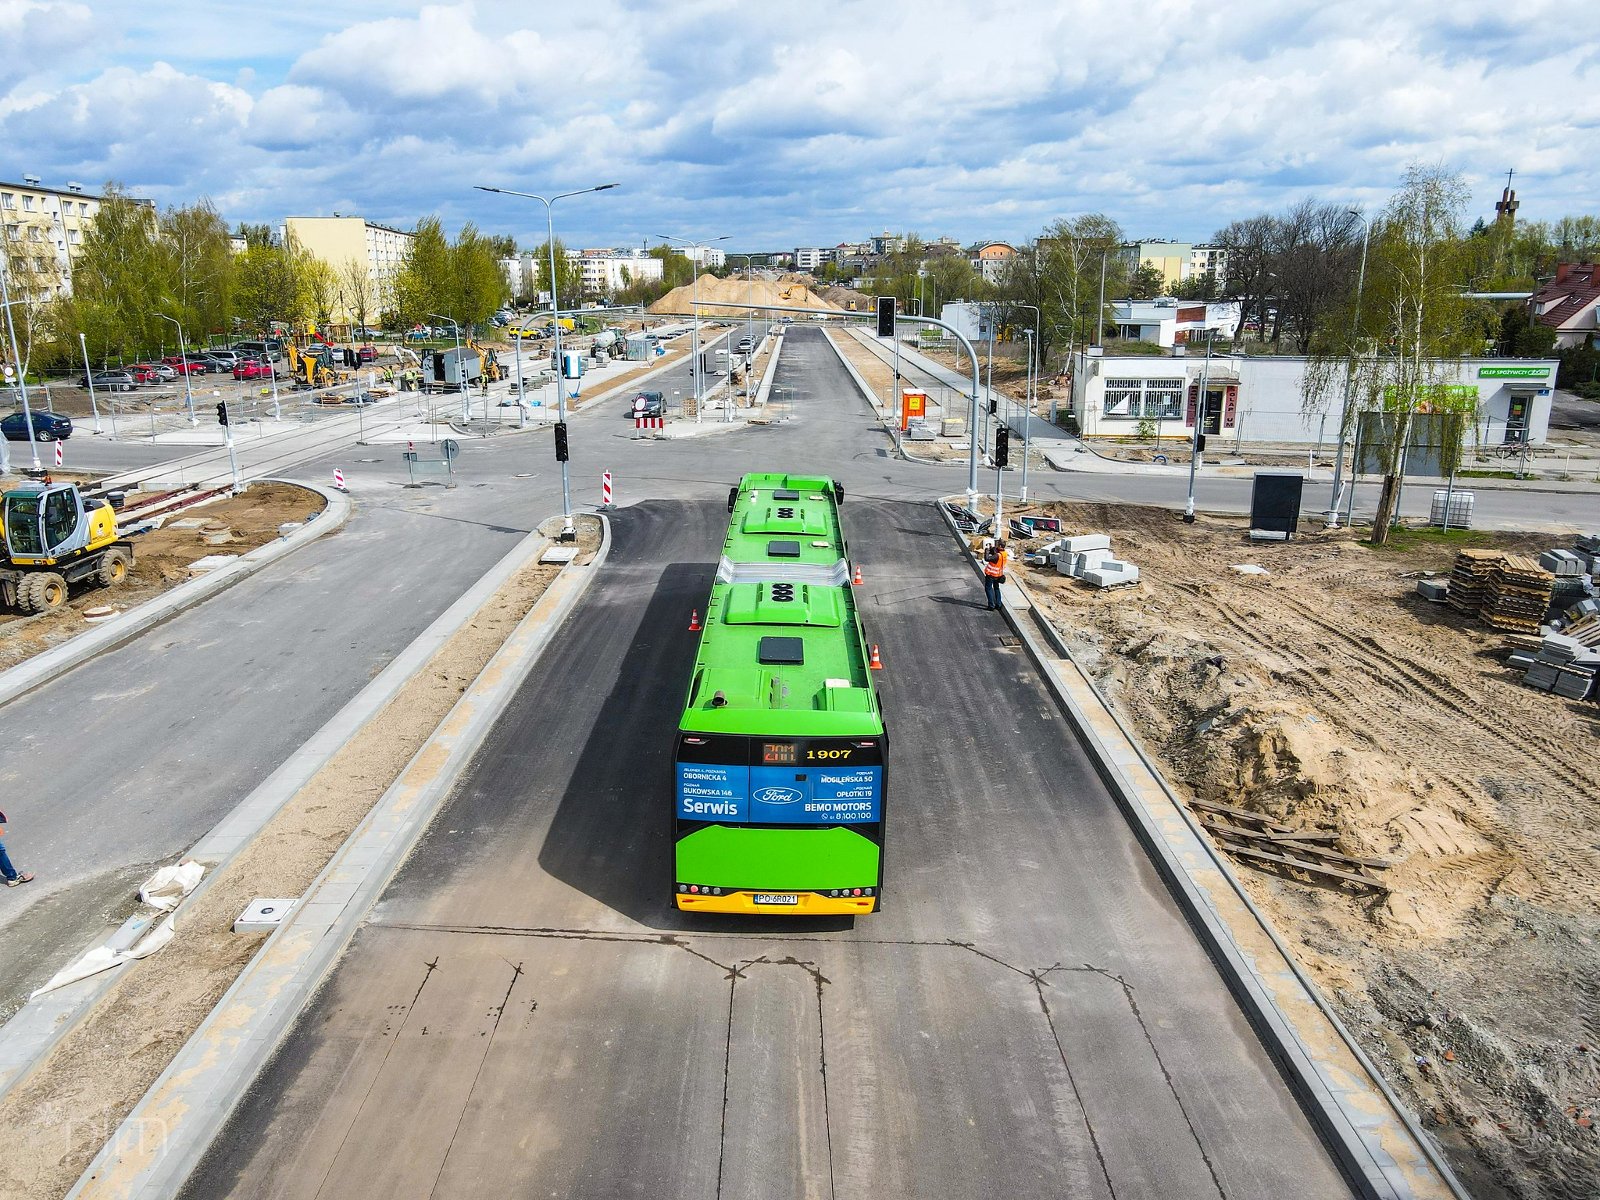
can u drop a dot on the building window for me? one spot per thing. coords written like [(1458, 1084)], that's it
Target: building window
[(1143, 399), (7, 200), (27, 204)]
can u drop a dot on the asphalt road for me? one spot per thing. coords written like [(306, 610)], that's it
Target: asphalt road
[(525, 1014)]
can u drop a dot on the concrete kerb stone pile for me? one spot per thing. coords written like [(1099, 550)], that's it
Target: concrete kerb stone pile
[(108, 635), (201, 1086), (1380, 1147)]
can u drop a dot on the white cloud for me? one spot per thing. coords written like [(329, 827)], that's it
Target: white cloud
[(817, 124)]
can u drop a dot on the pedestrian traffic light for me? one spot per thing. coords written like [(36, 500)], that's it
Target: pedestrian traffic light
[(994, 405), (1002, 446), (561, 441), (222, 412), (886, 316), (1200, 444)]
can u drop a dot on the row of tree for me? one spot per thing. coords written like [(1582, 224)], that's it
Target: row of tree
[(141, 275)]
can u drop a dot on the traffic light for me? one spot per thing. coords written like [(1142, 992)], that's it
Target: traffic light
[(886, 316), (1002, 446), (561, 441), (1200, 444), (994, 405), (222, 412)]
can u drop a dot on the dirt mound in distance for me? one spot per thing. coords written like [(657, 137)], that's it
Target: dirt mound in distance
[(737, 290)]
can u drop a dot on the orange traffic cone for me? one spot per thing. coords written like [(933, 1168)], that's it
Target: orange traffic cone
[(856, 580), (694, 621), (877, 663)]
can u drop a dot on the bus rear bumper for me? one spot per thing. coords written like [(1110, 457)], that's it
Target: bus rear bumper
[(806, 904)]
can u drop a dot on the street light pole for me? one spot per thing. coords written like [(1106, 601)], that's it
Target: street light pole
[(461, 371), (696, 374), (555, 322), (183, 357), (16, 363), (88, 377), (1349, 374), (1199, 423)]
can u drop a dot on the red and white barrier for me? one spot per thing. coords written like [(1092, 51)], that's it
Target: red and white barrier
[(605, 489), (338, 479), (649, 422), (58, 454)]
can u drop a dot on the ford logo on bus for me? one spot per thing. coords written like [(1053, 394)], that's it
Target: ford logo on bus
[(779, 795)]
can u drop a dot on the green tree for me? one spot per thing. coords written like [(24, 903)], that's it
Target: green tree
[(422, 282), (1060, 273), (197, 269), (268, 286), (1413, 321), (1146, 283), (117, 279), (480, 286), (1523, 338), (569, 275), (321, 291), (676, 269)]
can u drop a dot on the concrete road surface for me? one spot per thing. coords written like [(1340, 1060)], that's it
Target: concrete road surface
[(525, 1014)]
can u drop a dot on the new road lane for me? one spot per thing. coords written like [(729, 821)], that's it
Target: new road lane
[(524, 1013)]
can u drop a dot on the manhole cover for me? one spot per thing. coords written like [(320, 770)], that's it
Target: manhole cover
[(1008, 639)]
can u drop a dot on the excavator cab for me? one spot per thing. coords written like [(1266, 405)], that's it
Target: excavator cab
[(47, 523), (54, 537)]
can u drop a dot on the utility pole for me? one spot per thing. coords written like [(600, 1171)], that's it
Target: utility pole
[(1198, 439)]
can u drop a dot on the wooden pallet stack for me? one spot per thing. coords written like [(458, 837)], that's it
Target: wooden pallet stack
[(1263, 842), (1518, 595), (1469, 581)]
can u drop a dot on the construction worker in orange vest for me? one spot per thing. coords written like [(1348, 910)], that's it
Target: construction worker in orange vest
[(995, 557)]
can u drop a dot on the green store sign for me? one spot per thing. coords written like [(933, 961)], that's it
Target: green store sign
[(1513, 372)]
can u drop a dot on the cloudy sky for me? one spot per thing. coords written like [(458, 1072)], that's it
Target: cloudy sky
[(799, 124)]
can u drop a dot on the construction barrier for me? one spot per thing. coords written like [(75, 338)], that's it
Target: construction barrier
[(605, 490), (338, 479), (649, 422)]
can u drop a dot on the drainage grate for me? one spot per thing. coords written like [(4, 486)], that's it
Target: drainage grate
[(1008, 639)]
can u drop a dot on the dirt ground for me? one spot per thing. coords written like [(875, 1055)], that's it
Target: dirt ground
[(58, 1118), (1327, 694), (161, 563)]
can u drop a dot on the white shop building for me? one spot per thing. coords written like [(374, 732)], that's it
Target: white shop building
[(1258, 399)]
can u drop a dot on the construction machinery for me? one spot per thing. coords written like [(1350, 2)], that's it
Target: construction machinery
[(56, 536), (313, 367), (492, 370)]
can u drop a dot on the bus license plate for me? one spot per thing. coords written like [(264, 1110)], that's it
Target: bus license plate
[(777, 898)]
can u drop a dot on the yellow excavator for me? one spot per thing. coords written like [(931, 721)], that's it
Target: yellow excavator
[(56, 536), (492, 370), (314, 368)]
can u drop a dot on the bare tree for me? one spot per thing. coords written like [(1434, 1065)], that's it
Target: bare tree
[(357, 291)]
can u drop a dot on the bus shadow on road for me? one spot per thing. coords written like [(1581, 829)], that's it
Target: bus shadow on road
[(611, 834)]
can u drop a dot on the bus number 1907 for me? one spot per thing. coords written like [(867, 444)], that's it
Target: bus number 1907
[(826, 755)]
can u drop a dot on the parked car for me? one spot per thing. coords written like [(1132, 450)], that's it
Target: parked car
[(111, 381), (215, 365), (187, 364), (365, 332), (253, 368), (744, 345), (646, 404), (159, 372), (47, 427), (272, 348), (231, 357), (367, 353)]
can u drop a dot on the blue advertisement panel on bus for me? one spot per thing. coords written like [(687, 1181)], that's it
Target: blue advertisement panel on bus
[(780, 795)]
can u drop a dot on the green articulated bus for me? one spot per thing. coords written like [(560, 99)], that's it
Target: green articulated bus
[(782, 755)]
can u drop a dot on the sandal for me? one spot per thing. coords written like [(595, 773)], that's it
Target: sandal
[(25, 877)]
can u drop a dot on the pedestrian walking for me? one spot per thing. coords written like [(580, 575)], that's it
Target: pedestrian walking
[(13, 877), (995, 556)]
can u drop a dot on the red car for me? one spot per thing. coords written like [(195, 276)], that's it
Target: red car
[(185, 366), (145, 373), (252, 368), (367, 354)]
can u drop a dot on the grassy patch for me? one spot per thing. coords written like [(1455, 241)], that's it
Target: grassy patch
[(1403, 539), (1487, 475)]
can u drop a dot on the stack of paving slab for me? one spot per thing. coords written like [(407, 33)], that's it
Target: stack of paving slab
[(1573, 576), (1469, 581), (1518, 595), (1565, 666), (1088, 557)]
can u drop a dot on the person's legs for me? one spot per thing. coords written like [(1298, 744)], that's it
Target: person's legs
[(6, 869), (991, 591)]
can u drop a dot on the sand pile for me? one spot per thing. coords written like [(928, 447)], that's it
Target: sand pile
[(737, 290)]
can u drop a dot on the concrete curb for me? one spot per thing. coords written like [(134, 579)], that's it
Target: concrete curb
[(35, 1029), (197, 1092), (42, 668), (1372, 1136), (897, 444)]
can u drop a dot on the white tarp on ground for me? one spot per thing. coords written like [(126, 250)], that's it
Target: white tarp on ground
[(163, 891)]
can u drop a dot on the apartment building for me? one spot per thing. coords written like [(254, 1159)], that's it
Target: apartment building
[(340, 240), (43, 229), (809, 258), (604, 272)]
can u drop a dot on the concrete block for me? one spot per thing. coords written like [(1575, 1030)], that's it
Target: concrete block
[(263, 915), (1086, 541)]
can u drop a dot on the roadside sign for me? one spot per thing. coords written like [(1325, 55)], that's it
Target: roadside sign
[(450, 447), (912, 404)]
